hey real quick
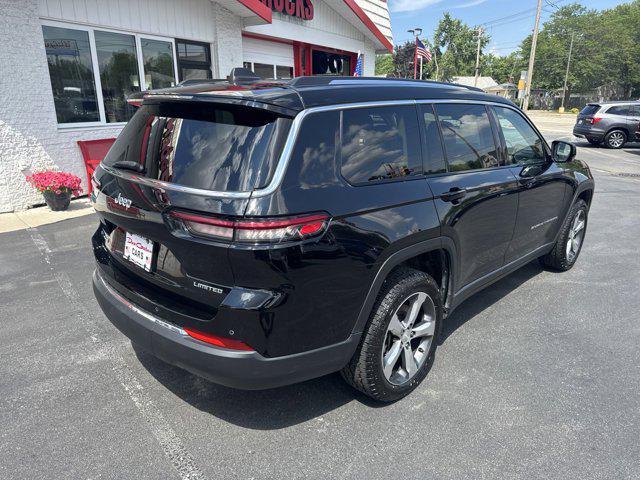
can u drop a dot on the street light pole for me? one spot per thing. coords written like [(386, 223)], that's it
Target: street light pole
[(532, 59), (475, 81), (566, 75), (416, 32)]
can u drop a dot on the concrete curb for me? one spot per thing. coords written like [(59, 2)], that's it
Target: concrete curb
[(35, 217)]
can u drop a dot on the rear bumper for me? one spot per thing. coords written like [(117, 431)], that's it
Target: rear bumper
[(236, 369), (588, 132)]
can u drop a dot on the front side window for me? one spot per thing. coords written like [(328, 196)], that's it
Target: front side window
[(157, 57), (71, 72), (118, 67), (380, 144), (524, 146), (468, 138)]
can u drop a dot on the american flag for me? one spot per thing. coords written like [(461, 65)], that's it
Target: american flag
[(358, 71), (422, 51)]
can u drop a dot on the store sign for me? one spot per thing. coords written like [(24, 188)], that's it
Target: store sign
[(294, 8), (61, 47)]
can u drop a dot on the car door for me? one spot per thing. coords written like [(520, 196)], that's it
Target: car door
[(541, 184), (476, 198), (633, 122)]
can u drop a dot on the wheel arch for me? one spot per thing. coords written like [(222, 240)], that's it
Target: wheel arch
[(622, 129), (435, 257)]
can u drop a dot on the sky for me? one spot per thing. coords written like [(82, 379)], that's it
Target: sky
[(506, 34)]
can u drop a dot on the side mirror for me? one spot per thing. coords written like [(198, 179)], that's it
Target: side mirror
[(563, 151)]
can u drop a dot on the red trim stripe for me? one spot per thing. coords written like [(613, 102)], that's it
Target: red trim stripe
[(258, 8)]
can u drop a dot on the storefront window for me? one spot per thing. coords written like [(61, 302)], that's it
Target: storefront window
[(325, 63), (263, 70), (118, 67), (284, 72), (194, 60), (71, 72), (157, 56)]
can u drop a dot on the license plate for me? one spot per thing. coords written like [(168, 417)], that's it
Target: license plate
[(138, 250)]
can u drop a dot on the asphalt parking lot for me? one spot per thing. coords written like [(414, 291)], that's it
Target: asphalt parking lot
[(536, 377)]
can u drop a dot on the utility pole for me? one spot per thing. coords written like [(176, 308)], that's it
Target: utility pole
[(566, 75), (532, 59), (475, 82)]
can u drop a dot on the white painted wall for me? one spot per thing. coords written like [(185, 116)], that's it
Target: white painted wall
[(263, 51), (378, 12), (30, 139)]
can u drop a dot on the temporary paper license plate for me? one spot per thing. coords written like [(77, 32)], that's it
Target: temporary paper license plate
[(138, 250)]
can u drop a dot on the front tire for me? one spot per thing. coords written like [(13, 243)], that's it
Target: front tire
[(569, 243), (399, 342), (615, 139)]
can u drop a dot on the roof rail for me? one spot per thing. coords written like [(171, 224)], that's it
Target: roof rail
[(339, 80)]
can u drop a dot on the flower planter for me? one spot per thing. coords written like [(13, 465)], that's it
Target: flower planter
[(57, 201)]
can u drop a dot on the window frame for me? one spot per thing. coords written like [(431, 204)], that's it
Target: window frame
[(339, 159), (90, 29)]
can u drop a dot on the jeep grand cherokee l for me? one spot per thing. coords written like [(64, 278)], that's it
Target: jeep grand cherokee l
[(266, 234)]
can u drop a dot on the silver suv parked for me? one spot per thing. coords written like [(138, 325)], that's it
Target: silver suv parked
[(610, 123)]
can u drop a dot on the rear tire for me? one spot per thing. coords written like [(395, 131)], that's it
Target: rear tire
[(615, 139), (395, 338), (570, 240)]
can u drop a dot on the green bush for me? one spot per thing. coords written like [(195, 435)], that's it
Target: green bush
[(575, 110)]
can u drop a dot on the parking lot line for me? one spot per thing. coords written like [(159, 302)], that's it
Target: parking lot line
[(172, 447)]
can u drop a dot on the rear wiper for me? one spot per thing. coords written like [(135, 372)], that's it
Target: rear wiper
[(128, 165)]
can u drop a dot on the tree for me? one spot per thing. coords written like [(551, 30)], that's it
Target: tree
[(455, 46), (604, 52), (502, 69), (384, 64)]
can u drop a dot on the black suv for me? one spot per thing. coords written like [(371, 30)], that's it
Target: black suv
[(266, 234)]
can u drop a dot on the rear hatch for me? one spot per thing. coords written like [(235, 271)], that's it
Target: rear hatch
[(587, 114), (174, 159)]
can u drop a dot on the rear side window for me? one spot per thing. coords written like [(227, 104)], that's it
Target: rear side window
[(622, 110), (219, 148), (468, 138), (380, 143), (433, 154), (590, 109)]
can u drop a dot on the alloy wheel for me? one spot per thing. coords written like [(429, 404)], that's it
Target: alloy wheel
[(616, 140), (408, 338), (576, 234)]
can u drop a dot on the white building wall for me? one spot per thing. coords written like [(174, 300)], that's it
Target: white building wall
[(378, 12), (30, 139)]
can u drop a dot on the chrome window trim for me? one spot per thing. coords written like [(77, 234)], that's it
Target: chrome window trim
[(285, 156)]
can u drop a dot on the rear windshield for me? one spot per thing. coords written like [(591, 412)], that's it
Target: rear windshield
[(589, 109), (212, 147)]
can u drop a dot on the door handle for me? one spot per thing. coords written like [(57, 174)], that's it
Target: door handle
[(454, 195)]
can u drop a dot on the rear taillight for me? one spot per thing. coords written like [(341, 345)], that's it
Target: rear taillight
[(593, 120), (218, 341), (264, 230)]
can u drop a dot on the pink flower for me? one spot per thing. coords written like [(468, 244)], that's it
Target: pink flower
[(57, 182)]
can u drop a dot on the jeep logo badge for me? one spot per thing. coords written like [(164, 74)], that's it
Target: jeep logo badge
[(123, 201)]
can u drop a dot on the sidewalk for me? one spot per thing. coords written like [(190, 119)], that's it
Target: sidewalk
[(35, 217)]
